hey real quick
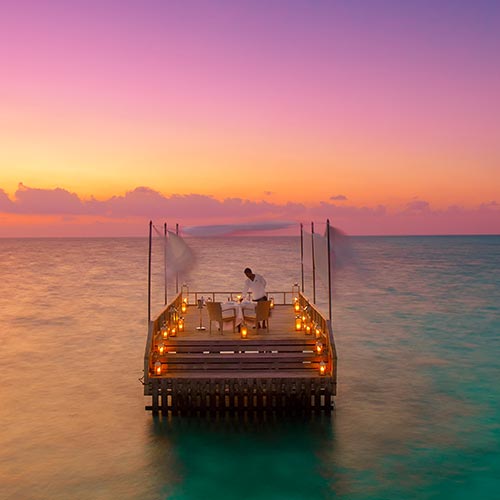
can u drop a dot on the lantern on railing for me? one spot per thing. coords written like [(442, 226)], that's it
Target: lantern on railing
[(298, 323), (308, 329), (185, 292), (322, 368), (184, 305), (164, 331), (271, 304), (244, 331), (319, 347), (317, 331), (295, 291), (161, 347), (296, 304), (172, 331), (180, 324), (158, 368)]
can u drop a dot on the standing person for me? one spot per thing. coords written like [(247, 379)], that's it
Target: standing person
[(256, 284)]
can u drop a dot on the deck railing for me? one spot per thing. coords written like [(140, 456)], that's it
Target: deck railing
[(313, 322), (279, 298), (309, 321)]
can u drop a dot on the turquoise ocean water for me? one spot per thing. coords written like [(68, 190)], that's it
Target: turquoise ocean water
[(417, 328)]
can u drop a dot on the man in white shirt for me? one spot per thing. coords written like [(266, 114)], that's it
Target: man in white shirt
[(256, 285)]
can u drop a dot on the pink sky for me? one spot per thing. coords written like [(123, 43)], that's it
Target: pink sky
[(382, 116)]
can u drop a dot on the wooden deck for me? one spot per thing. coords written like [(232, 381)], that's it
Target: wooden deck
[(282, 367)]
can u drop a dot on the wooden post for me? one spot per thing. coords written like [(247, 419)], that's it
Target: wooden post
[(302, 254), (313, 263), (329, 269), (165, 259), (149, 271), (177, 274)]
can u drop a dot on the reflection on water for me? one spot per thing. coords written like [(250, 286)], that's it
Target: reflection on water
[(258, 456)]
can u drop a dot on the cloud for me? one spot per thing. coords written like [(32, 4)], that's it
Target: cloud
[(6, 205), (338, 197), (325, 209), (127, 213), (416, 207), (46, 201)]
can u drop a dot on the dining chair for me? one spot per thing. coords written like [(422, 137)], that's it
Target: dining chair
[(214, 310), (261, 312)]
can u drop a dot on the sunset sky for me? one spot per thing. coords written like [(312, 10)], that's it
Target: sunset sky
[(382, 115)]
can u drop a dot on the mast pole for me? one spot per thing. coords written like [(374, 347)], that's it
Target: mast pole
[(165, 259), (149, 271), (329, 269), (313, 263), (177, 274), (302, 254)]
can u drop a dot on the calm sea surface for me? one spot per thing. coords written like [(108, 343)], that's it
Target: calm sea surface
[(417, 327)]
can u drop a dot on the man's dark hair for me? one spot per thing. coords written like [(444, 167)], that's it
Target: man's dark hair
[(248, 271)]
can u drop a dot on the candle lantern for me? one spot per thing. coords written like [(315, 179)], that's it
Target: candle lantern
[(180, 324), (308, 329), (185, 293), (164, 331), (157, 368), (322, 368), (172, 331), (298, 323), (317, 331), (271, 305), (161, 347), (296, 306), (319, 347), (184, 306), (244, 331), (295, 291)]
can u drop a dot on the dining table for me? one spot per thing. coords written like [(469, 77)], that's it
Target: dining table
[(238, 308)]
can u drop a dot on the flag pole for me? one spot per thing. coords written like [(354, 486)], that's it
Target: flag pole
[(329, 269), (302, 254), (313, 263), (165, 259), (149, 271)]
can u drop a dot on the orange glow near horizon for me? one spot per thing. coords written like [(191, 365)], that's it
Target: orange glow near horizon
[(356, 122)]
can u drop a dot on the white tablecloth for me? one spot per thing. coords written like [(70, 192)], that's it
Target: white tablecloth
[(237, 307)]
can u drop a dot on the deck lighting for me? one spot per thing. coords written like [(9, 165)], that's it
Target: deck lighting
[(161, 347), (308, 329), (180, 324), (296, 306), (164, 331), (158, 368), (319, 347), (322, 368), (173, 331), (244, 331), (271, 305), (317, 331), (184, 306), (298, 323)]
